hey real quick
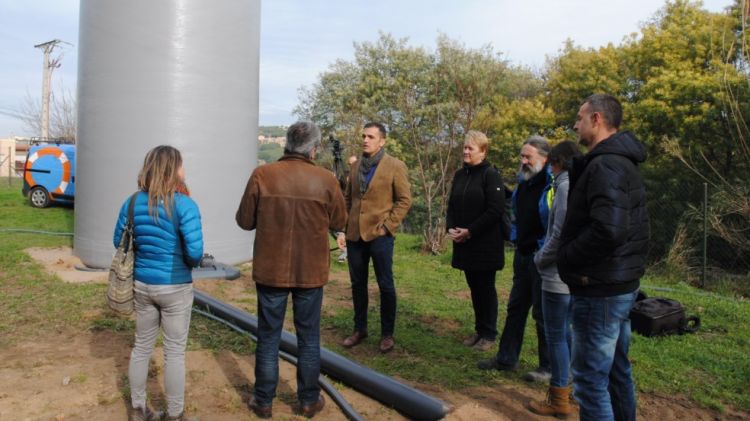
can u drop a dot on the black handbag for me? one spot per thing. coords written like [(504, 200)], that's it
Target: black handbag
[(660, 316)]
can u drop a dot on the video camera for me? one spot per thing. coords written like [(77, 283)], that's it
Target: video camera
[(338, 164)]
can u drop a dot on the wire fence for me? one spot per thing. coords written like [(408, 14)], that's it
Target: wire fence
[(685, 237)]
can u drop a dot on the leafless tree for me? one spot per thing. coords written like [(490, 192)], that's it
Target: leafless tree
[(63, 119)]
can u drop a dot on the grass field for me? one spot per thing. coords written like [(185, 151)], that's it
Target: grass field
[(711, 367)]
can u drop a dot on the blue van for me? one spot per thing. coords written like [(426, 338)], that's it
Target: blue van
[(49, 174)]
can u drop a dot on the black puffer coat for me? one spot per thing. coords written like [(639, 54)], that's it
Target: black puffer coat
[(605, 237), (477, 202)]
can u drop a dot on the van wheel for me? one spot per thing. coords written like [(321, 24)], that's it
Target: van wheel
[(38, 197)]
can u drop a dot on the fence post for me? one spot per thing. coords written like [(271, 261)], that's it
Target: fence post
[(11, 164), (705, 235)]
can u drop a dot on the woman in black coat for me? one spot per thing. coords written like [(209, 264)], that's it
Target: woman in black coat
[(474, 223)]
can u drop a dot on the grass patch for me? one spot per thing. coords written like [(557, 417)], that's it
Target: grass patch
[(434, 314), (209, 334), (35, 303)]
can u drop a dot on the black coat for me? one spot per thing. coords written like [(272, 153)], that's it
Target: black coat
[(605, 237), (477, 202)]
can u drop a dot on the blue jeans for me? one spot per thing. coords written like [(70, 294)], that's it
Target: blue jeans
[(526, 293), (271, 309), (557, 312), (602, 377), (358, 255)]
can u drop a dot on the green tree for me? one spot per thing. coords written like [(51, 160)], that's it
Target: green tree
[(683, 82), (680, 71), (576, 73), (508, 122), (428, 100), (272, 131), (270, 152)]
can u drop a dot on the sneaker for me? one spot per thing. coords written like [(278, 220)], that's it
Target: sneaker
[(492, 364), (309, 411), (471, 340), (341, 258), (484, 344), (261, 411), (539, 375)]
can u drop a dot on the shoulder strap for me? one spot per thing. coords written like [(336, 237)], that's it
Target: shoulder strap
[(175, 221), (176, 224), (484, 173), (131, 205), (129, 225)]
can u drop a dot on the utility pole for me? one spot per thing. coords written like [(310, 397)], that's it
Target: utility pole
[(49, 66)]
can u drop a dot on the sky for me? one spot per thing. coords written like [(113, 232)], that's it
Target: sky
[(300, 39)]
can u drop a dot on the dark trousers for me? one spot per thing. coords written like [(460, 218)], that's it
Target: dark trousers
[(526, 293), (271, 309), (484, 301), (359, 253)]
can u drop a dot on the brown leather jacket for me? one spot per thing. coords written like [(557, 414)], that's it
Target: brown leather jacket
[(384, 204), (291, 204)]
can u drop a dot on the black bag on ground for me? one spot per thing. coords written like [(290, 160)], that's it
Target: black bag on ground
[(659, 316)]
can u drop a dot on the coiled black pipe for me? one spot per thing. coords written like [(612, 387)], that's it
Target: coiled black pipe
[(403, 398), (335, 395)]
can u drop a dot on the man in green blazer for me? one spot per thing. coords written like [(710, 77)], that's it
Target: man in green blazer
[(378, 196)]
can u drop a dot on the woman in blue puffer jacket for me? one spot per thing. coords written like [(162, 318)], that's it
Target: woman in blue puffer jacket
[(168, 243)]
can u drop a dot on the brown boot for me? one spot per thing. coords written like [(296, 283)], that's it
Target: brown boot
[(557, 403)]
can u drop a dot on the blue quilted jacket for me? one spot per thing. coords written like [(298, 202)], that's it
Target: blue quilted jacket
[(161, 257)]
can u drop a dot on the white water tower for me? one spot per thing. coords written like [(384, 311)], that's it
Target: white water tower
[(176, 72)]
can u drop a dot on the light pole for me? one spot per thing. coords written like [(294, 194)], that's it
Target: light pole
[(49, 66)]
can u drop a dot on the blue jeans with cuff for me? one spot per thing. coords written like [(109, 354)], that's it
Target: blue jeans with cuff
[(557, 316), (602, 376), (306, 304)]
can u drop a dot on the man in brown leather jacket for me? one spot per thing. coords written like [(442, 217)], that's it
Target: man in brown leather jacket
[(291, 204), (378, 197)]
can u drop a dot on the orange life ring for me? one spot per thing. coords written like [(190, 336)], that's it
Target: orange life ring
[(64, 161)]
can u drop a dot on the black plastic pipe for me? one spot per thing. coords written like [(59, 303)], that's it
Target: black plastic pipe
[(335, 395), (403, 398)]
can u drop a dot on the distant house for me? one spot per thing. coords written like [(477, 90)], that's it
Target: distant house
[(13, 155), (277, 140)]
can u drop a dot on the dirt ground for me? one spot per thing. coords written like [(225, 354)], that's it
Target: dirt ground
[(81, 376)]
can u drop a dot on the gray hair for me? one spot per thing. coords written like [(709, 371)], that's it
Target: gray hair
[(302, 137), (540, 143), (609, 108)]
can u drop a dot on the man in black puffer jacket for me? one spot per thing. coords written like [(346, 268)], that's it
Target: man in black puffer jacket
[(602, 258)]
